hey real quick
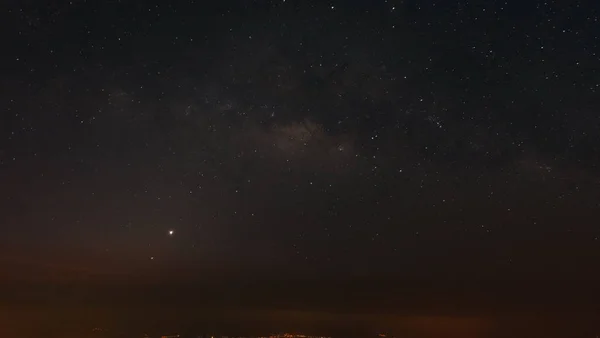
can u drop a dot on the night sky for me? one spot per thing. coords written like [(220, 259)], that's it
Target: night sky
[(412, 158)]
